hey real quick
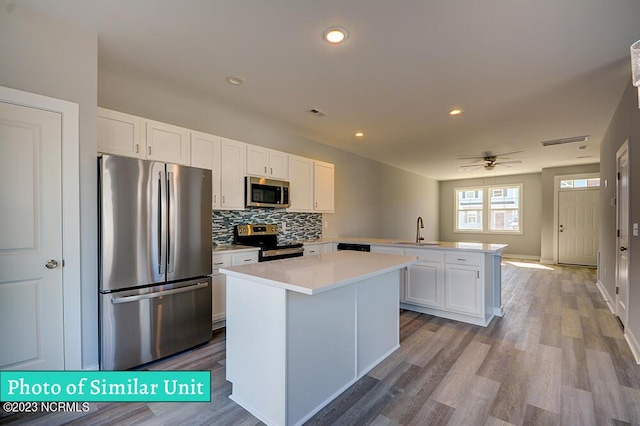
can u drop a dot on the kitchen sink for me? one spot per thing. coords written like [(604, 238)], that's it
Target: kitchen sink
[(411, 243)]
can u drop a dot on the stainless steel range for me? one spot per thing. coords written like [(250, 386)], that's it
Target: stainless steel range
[(265, 236)]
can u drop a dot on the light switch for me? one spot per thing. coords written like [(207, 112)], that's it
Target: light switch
[(635, 229)]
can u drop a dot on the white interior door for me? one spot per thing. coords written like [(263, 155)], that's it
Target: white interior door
[(31, 296), (578, 224), (622, 211)]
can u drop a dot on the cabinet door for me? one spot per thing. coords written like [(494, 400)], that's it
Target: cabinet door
[(232, 171), (120, 134), (278, 165), (425, 284), (168, 143), (323, 176), (202, 150), (205, 153), (463, 291), (219, 290), (257, 161), (300, 184)]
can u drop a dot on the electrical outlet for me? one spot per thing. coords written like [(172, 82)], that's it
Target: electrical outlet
[(326, 224), (635, 229), (283, 227)]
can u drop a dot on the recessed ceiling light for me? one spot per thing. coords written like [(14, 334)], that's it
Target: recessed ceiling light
[(359, 134), (456, 111), (335, 35), (235, 80)]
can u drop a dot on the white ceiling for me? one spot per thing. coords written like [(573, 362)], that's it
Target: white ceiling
[(522, 71)]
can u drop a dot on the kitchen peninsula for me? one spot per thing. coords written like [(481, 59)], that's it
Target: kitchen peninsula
[(300, 331)]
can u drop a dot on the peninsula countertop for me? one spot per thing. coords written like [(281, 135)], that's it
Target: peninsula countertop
[(436, 245), (316, 274)]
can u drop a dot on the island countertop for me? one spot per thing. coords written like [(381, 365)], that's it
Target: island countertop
[(316, 274)]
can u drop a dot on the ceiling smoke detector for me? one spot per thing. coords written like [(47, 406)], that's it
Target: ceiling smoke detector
[(316, 112), (565, 140)]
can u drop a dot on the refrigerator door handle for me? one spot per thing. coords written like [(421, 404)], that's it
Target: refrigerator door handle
[(126, 299), (162, 223), (171, 209)]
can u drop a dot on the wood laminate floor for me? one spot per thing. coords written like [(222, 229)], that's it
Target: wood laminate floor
[(557, 357)]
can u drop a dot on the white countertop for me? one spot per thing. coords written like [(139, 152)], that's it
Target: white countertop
[(315, 274), (438, 245)]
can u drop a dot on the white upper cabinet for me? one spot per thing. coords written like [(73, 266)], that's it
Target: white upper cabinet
[(131, 136), (300, 184), (233, 156), (168, 143), (323, 176), (264, 162), (203, 147), (120, 134), (205, 153)]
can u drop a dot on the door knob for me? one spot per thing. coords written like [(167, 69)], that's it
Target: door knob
[(623, 249), (51, 264)]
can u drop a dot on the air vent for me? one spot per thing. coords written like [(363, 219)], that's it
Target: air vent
[(565, 140), (316, 112)]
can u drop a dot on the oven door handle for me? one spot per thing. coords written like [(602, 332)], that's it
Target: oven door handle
[(280, 252), (138, 297)]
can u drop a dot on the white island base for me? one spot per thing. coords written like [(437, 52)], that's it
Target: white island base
[(300, 334)]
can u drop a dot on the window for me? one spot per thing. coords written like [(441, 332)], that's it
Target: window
[(580, 183), (491, 209)]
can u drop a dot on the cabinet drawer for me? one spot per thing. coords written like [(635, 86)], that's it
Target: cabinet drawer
[(244, 258), (430, 255), (221, 261), (464, 258)]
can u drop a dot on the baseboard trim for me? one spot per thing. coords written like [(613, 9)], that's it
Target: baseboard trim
[(547, 261), (606, 297), (221, 323), (521, 256), (633, 344)]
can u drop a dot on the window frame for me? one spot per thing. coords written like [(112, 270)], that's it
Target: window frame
[(486, 210)]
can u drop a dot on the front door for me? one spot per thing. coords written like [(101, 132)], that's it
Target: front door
[(578, 220), (622, 210), (31, 296)]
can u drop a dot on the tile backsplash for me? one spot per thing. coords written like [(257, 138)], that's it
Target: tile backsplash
[(293, 226)]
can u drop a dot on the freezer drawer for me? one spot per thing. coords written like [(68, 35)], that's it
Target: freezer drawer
[(140, 326)]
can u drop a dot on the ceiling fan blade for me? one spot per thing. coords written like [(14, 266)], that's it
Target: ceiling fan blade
[(502, 163), (506, 153), (470, 167)]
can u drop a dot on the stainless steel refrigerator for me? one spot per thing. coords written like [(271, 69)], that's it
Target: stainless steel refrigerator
[(155, 260)]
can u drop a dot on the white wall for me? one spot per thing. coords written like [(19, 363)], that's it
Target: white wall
[(624, 125), (371, 199), (45, 56), (528, 243)]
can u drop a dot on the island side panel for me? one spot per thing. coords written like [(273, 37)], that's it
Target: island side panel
[(378, 320), (256, 352), (321, 349), (497, 284)]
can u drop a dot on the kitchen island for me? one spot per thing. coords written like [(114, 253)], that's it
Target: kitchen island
[(300, 331)]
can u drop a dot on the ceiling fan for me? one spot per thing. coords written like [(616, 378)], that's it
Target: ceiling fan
[(488, 160)]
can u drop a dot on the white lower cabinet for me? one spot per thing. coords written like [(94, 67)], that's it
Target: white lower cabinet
[(451, 284), (317, 248), (219, 290), (463, 289)]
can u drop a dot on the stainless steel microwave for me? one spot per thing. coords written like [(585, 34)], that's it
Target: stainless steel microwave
[(263, 192)]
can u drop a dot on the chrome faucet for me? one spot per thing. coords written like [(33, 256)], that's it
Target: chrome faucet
[(419, 225)]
